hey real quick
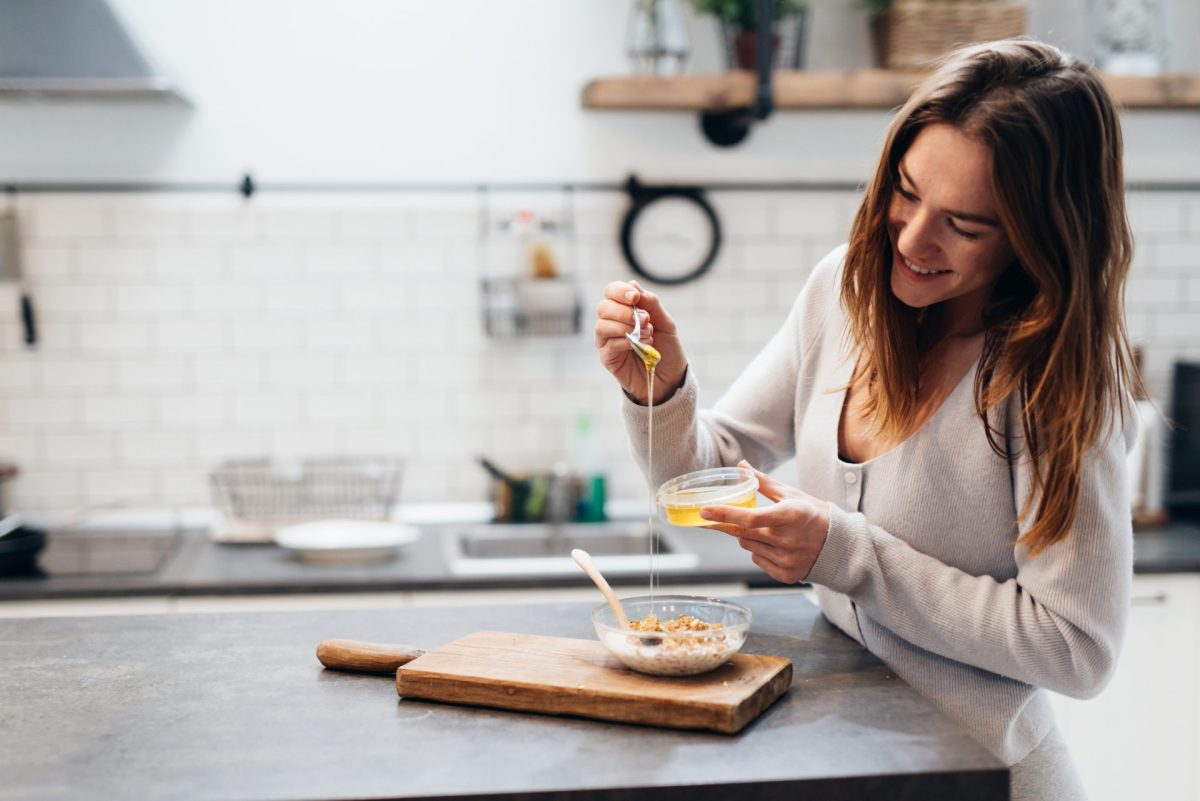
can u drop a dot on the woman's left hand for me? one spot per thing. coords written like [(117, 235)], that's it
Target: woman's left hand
[(784, 539)]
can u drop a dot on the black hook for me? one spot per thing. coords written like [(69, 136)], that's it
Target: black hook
[(726, 128)]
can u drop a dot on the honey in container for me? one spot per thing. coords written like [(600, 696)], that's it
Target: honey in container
[(683, 497)]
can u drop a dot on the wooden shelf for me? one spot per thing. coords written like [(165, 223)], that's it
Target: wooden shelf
[(858, 89)]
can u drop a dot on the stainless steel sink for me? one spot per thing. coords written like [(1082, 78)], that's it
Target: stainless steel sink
[(545, 549)]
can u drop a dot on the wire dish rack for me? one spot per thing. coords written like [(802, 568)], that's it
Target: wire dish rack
[(528, 263), (519, 307), (257, 496)]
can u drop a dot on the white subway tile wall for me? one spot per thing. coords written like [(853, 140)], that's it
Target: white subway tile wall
[(177, 331)]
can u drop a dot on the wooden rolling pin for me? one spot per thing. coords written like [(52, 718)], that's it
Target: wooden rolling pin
[(365, 657)]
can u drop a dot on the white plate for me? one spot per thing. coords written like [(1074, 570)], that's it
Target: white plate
[(345, 541)]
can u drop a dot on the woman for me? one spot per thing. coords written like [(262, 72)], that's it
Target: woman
[(952, 384)]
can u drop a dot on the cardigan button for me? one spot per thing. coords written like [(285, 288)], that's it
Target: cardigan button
[(851, 477)]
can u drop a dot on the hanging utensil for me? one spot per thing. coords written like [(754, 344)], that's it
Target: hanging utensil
[(10, 269)]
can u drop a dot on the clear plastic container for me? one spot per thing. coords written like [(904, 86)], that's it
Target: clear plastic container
[(674, 653), (684, 496)]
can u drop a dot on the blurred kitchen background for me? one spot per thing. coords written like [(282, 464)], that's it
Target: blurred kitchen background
[(177, 329), (376, 231)]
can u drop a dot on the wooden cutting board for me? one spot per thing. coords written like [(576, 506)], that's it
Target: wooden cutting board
[(559, 676)]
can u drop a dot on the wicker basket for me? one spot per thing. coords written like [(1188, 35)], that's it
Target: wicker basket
[(912, 33)]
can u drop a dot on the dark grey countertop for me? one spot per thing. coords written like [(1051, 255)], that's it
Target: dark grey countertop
[(237, 707), (201, 567)]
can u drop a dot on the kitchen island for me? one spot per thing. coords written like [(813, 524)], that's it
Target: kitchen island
[(237, 707)]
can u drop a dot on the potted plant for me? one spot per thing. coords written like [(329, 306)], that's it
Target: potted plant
[(739, 28), (910, 34)]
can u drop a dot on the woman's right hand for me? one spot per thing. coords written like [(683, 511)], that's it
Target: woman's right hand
[(615, 318)]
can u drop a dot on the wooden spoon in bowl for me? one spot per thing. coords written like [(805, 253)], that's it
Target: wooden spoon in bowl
[(584, 560)]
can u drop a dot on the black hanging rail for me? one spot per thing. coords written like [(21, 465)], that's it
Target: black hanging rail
[(248, 187)]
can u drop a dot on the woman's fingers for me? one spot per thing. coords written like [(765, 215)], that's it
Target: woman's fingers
[(763, 548), (728, 528), (774, 515), (606, 338), (633, 294), (618, 312), (766, 484), (608, 329), (784, 539), (651, 303), (622, 292), (614, 322), (620, 300), (734, 530), (778, 563), (781, 573), (771, 488), (615, 317)]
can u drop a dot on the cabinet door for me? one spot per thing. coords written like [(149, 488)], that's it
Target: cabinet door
[(1140, 738)]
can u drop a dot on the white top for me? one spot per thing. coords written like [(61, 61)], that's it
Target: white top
[(920, 564)]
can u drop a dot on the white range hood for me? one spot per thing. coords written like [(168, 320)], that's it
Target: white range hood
[(74, 50)]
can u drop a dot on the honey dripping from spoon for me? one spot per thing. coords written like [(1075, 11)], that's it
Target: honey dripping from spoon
[(650, 357)]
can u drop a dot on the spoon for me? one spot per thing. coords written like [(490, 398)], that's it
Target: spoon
[(584, 560), (649, 355)]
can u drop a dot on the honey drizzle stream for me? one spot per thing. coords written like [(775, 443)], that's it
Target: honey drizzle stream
[(650, 473)]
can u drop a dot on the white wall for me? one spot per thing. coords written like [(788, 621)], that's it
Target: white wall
[(177, 330), (180, 330), (400, 90)]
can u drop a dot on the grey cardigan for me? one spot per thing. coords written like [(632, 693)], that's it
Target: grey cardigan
[(920, 564)]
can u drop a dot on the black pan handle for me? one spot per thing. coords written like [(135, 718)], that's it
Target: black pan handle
[(496, 472)]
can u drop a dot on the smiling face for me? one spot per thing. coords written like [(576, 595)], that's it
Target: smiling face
[(947, 243)]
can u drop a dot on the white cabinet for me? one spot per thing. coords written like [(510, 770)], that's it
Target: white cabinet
[(1140, 738)]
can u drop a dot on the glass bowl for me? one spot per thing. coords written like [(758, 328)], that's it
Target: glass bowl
[(674, 653), (684, 496)]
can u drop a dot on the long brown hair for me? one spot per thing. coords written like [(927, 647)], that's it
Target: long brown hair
[(1054, 324)]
